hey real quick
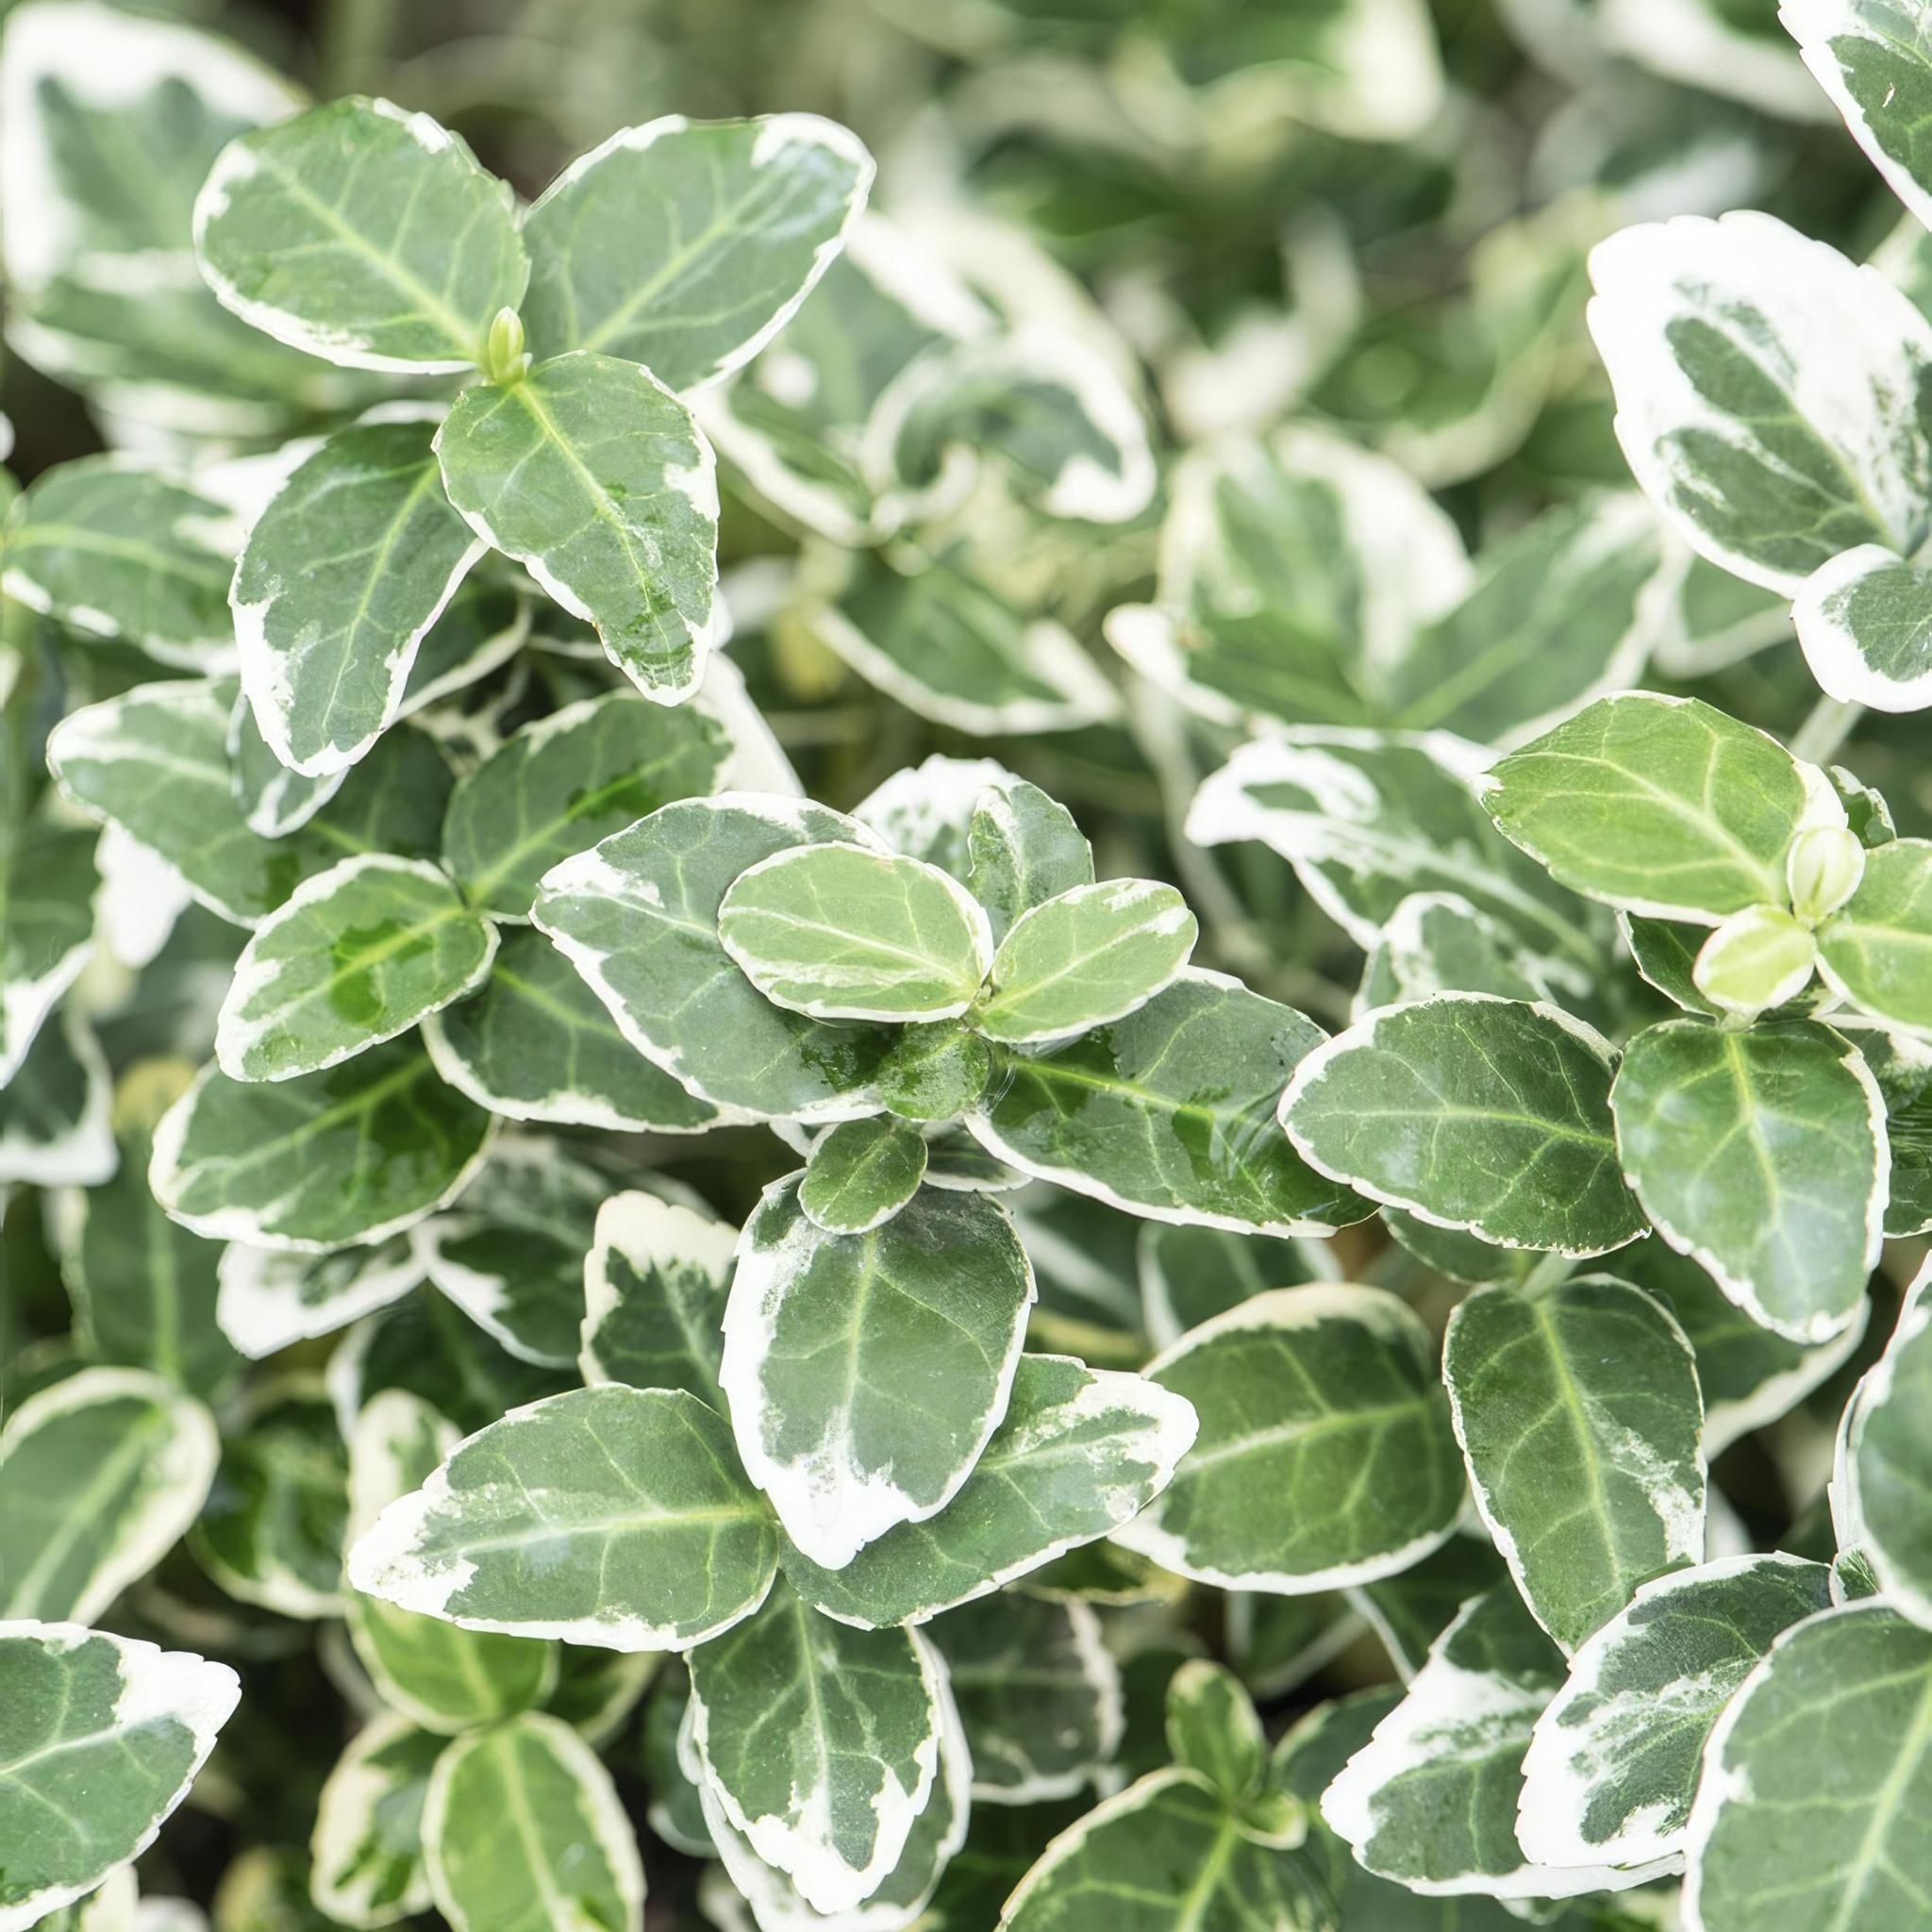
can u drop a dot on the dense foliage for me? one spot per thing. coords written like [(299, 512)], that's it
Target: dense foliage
[(916, 1025)]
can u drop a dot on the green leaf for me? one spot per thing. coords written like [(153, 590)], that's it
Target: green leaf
[(1165, 1849), (1078, 1453), (1880, 1483), (1761, 1155), (866, 1373), (1039, 1694), (340, 1159), (1431, 1801), (1662, 806), (820, 1741), (1766, 391), (572, 1856), (442, 1677), (484, 624), (934, 1072), (958, 652), (676, 1812), (1748, 1374), (341, 578), (54, 1110), (1594, 574), (1087, 957), (1409, 1610), (1471, 1112), (367, 1849), (47, 885), (862, 1173), (1053, 415), (119, 550), (638, 918), (363, 234), (1803, 1815), (100, 1474), (1188, 1275), (512, 1254), (274, 799), (1211, 1727), (1614, 1761), (1022, 849), (838, 932), (536, 1045), (1166, 1113), (1874, 61), (1368, 818), (354, 957), (1324, 1455), (105, 1734), (145, 1289), (607, 1516), (654, 1296), (562, 783), (1438, 942), (687, 247), (1878, 950), (1579, 1416), (272, 1533), (593, 476), (268, 1298)]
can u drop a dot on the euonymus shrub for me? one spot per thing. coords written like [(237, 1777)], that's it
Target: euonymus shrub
[(388, 641)]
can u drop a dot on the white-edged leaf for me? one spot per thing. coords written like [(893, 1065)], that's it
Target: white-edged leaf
[(686, 246), (1022, 848), (1880, 1486), (607, 1516), (1877, 950), (47, 885), (866, 1373), (106, 1734), (1865, 620), (100, 1474), (54, 1129), (268, 1298), (654, 1296), (366, 1851), (862, 1173)]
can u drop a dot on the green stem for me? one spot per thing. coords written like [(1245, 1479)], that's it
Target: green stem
[(1831, 721), (1548, 1273)]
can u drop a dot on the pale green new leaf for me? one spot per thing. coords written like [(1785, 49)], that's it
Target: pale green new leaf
[(272, 1530), (570, 1856), (118, 550), (512, 1254), (1662, 806), (608, 1516), (1324, 1455), (1761, 1155), (838, 932), (687, 246), (1368, 818), (339, 1158), (1878, 950), (1079, 1452), (654, 1296), (862, 1173), (1817, 1789), (820, 1741), (593, 476), (1039, 1694), (1212, 1728), (1084, 958), (341, 578), (537, 1044), (1614, 1761), (562, 783), (104, 1734), (1767, 392), (866, 1373), (1884, 1459), (1168, 1112), (1471, 1112), (637, 917), (100, 1474), (354, 957), (363, 234), (1022, 849), (1431, 1801), (1578, 1413), (366, 1854)]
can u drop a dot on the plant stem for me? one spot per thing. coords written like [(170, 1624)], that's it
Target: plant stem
[(1831, 721), (1547, 1273)]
